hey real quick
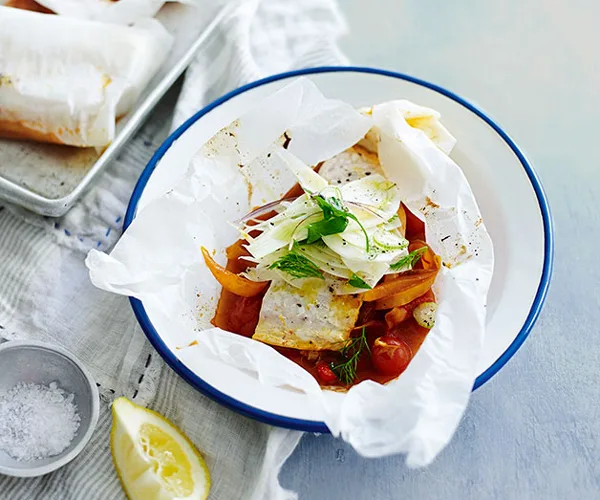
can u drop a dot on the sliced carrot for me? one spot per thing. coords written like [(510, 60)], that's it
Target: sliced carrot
[(232, 282), (429, 260), (402, 216), (415, 227), (406, 296), (400, 300), (403, 283), (236, 250), (396, 316)]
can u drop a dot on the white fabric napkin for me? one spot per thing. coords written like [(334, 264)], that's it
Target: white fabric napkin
[(45, 293)]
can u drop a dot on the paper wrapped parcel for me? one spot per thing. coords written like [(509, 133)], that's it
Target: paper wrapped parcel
[(66, 81), (158, 260), (115, 12)]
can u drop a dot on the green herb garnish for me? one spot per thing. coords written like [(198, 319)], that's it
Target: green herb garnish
[(333, 225), (362, 228), (297, 265), (358, 282), (335, 219), (409, 260), (332, 206), (346, 371)]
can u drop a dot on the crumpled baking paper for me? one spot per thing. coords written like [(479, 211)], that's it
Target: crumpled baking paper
[(67, 80), (158, 261), (115, 12)]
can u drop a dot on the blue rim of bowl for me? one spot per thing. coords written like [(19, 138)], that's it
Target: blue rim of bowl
[(310, 425)]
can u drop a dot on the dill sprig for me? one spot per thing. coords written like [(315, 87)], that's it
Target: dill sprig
[(346, 371), (297, 265), (409, 260)]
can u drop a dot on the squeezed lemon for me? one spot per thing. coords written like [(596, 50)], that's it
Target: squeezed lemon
[(153, 458)]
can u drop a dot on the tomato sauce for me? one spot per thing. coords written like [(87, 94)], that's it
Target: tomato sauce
[(241, 314)]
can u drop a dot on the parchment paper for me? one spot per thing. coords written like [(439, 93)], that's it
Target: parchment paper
[(68, 80), (121, 12), (158, 261)]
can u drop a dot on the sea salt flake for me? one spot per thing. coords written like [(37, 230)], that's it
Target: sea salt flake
[(37, 421)]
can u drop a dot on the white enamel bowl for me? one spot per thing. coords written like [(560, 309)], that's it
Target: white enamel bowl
[(510, 196)]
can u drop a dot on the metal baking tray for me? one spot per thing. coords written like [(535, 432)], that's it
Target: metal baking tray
[(48, 178)]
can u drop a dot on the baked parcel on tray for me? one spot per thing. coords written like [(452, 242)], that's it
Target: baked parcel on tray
[(67, 81), (337, 274)]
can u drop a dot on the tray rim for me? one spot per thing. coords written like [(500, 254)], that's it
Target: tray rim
[(311, 425)]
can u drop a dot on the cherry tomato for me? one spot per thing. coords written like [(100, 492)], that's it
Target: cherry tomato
[(325, 374), (390, 355)]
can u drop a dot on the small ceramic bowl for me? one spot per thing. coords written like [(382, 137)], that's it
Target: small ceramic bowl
[(38, 363)]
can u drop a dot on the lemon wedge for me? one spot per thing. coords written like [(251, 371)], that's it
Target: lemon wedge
[(153, 458)]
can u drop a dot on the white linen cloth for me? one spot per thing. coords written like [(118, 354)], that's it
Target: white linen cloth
[(45, 293)]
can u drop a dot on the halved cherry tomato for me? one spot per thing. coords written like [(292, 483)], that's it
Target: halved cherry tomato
[(390, 355), (325, 374)]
